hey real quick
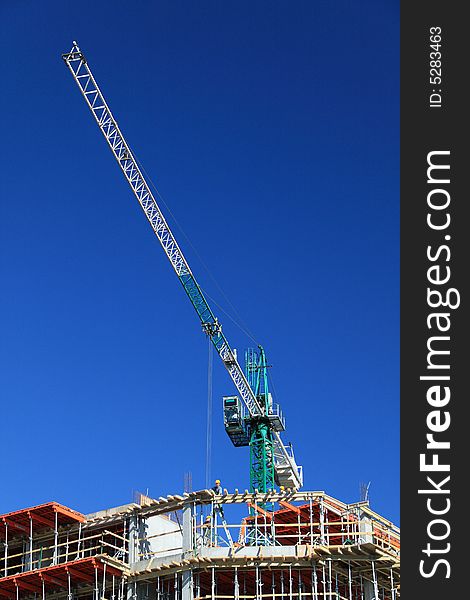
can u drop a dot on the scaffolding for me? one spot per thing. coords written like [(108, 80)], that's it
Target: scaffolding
[(201, 546), (50, 548)]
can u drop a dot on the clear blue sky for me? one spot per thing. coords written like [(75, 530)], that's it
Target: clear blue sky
[(271, 129)]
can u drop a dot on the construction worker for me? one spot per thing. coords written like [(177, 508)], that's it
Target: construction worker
[(217, 489), (206, 531)]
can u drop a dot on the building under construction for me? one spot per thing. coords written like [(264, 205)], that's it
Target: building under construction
[(202, 546)]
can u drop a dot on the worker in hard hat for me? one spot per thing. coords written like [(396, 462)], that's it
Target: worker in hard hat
[(206, 531), (217, 489)]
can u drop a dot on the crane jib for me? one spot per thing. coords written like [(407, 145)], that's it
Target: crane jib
[(77, 64), (197, 298)]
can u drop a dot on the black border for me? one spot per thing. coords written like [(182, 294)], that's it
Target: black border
[(425, 129)]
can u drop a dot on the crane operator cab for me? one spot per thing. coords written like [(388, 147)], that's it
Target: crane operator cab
[(235, 422)]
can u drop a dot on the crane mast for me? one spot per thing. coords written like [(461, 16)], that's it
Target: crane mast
[(271, 460)]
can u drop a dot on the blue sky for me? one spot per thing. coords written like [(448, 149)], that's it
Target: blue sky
[(271, 130)]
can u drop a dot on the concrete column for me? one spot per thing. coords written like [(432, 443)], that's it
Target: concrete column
[(188, 546), (133, 538), (145, 591), (131, 590), (188, 527), (368, 589), (133, 533), (371, 589), (366, 531), (187, 585)]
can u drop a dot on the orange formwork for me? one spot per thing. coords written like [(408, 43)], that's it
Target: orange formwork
[(44, 516)]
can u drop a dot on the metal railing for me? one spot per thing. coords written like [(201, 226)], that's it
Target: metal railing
[(41, 556)]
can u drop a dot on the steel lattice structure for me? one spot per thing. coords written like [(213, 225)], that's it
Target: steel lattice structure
[(287, 471)]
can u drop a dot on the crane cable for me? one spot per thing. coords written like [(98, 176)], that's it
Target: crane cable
[(209, 416), (238, 321), (237, 324)]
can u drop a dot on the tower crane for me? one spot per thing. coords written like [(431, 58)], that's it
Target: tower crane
[(250, 418)]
